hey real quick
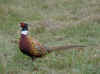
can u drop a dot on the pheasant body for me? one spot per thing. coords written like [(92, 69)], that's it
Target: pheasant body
[(31, 47)]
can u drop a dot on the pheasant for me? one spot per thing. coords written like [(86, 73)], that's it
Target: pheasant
[(31, 47)]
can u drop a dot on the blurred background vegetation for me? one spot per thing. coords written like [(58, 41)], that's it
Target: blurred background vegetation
[(54, 22)]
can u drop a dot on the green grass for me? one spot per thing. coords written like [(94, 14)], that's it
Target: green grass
[(54, 22)]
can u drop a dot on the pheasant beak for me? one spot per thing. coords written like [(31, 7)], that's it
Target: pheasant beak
[(19, 24)]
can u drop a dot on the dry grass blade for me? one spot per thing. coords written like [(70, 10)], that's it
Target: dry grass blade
[(2, 64)]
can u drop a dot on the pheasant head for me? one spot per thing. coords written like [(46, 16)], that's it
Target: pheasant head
[(24, 28)]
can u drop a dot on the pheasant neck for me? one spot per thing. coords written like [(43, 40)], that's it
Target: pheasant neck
[(24, 32)]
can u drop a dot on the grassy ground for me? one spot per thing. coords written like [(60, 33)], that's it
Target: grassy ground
[(54, 22)]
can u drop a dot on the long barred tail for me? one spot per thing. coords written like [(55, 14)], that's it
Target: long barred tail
[(66, 47)]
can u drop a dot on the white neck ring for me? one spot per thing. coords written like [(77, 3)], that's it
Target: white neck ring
[(24, 32)]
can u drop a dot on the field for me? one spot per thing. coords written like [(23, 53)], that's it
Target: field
[(53, 23)]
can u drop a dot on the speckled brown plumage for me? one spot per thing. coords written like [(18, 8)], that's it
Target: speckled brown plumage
[(31, 47)]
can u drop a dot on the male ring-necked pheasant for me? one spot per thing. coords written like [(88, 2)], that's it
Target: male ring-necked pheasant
[(33, 48)]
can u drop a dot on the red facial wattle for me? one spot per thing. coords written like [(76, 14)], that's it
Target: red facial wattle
[(22, 24)]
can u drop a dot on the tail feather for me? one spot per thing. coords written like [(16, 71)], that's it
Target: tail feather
[(66, 47)]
